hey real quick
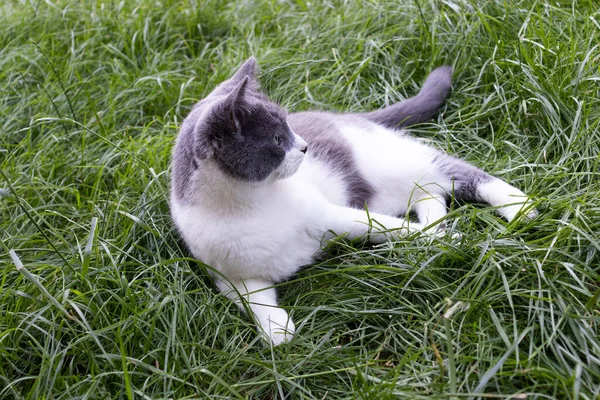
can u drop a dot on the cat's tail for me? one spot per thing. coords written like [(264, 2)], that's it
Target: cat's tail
[(423, 107)]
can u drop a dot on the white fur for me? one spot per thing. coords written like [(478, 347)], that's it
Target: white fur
[(326, 180), (256, 234), (402, 171), (292, 160), (509, 200)]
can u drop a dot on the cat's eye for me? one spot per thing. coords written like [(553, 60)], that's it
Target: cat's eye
[(277, 140)]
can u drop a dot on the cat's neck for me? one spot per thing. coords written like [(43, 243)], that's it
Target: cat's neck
[(220, 192)]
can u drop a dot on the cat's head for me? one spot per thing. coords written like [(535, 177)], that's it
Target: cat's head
[(246, 134)]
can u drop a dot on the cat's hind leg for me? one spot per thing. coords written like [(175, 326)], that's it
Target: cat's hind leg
[(474, 185), (509, 200), (258, 294)]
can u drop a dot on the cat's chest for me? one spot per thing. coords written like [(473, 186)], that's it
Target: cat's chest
[(317, 175), (271, 239)]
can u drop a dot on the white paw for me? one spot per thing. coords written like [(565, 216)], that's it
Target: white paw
[(412, 228), (280, 335), (446, 235), (511, 202), (438, 233), (513, 211), (383, 236), (277, 328)]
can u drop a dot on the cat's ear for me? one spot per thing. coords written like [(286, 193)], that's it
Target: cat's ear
[(248, 68), (234, 103)]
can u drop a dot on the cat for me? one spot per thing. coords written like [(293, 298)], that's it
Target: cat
[(255, 190)]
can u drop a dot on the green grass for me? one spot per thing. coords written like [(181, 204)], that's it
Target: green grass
[(107, 302)]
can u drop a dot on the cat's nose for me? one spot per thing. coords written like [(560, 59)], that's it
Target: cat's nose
[(300, 144)]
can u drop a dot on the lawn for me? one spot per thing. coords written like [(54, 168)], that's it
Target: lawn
[(100, 299)]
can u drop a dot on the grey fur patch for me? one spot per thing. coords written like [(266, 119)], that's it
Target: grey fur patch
[(465, 176), (244, 136), (184, 162), (238, 127), (420, 108), (325, 143)]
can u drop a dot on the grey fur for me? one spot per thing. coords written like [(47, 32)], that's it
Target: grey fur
[(184, 162), (466, 178), (423, 107), (243, 126), (232, 125), (326, 144)]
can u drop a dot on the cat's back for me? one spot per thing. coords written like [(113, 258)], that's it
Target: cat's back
[(366, 162), (343, 139)]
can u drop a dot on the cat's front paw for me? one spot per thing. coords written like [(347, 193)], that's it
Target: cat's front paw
[(277, 328), (524, 211), (280, 335), (406, 228)]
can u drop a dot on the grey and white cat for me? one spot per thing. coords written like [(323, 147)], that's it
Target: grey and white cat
[(255, 189)]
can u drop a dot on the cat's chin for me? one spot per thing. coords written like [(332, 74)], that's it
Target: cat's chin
[(289, 166)]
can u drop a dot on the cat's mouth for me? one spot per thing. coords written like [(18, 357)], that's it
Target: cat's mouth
[(293, 159)]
